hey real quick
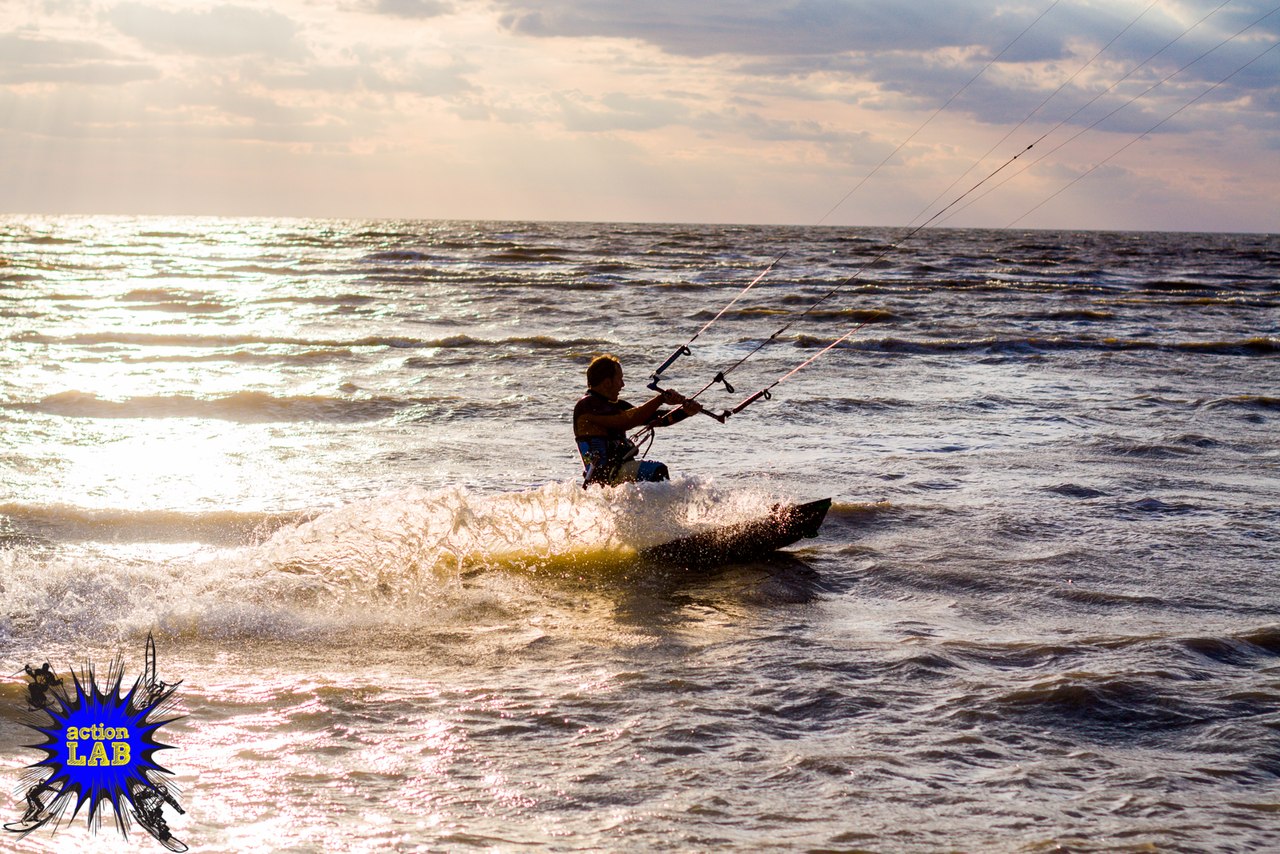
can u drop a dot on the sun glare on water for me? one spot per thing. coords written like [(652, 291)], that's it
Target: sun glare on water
[(156, 366)]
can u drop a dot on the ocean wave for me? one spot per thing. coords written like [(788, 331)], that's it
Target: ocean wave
[(175, 339), (1144, 450), (319, 299), (1255, 346), (848, 520), (1176, 285), (990, 344), (1156, 506), (1072, 490), (155, 339), (444, 409), (1245, 401), (605, 268), (849, 315), (536, 254), (1077, 315), (161, 299), (400, 256), (244, 357), (848, 404), (1233, 301), (1256, 648), (45, 524), (45, 240), (997, 344), (1266, 638), (1096, 706), (17, 537), (244, 407), (1104, 598), (262, 270), (156, 295), (1195, 440)]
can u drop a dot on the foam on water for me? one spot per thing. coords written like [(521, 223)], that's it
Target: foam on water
[(380, 543), (394, 557)]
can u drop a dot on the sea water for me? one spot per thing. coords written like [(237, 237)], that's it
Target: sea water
[(329, 466)]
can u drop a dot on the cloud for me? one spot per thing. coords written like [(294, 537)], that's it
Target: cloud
[(220, 31), (754, 28), (413, 9), (922, 51), (32, 59), (169, 110), (801, 28), (619, 111), (420, 80), (378, 70)]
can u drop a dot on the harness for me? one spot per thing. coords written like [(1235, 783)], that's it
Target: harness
[(602, 456)]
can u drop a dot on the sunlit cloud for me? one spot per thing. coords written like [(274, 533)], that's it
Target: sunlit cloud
[(407, 8), (26, 58), (216, 31)]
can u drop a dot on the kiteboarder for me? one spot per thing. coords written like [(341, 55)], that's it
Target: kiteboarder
[(151, 689), (148, 805), (601, 422), (35, 801), (42, 680)]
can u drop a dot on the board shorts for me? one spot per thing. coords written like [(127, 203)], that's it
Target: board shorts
[(596, 453), (645, 471)]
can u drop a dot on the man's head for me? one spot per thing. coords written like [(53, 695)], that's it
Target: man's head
[(604, 376)]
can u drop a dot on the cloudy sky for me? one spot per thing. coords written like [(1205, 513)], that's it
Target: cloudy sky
[(662, 110)]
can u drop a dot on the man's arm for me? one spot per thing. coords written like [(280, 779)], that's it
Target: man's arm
[(675, 416), (635, 416), (632, 417)]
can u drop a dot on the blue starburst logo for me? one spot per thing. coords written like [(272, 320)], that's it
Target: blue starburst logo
[(100, 748)]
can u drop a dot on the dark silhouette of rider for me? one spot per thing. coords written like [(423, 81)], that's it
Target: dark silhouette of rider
[(42, 681), (35, 803), (149, 803), (152, 693)]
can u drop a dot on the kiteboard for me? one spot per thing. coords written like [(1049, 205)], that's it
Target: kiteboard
[(744, 541), (27, 825), (149, 801), (161, 833)]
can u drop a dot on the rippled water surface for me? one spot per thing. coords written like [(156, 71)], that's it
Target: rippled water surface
[(329, 465)]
